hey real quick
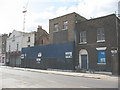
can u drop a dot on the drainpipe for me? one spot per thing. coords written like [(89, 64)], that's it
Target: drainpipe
[(116, 29), (117, 44)]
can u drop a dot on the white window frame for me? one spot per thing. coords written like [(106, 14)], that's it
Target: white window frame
[(13, 38), (101, 33), (56, 29), (65, 25), (82, 36)]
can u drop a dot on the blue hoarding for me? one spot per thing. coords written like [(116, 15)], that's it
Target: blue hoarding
[(49, 51), (56, 56)]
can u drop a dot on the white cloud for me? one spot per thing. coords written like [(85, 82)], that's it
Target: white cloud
[(11, 16), (96, 8), (51, 8)]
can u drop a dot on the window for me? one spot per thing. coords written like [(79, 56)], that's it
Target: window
[(83, 37), (9, 48), (56, 27), (65, 25), (28, 45), (42, 41), (13, 39), (17, 46), (28, 39), (3, 50), (100, 35)]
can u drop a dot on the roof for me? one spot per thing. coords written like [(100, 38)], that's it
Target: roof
[(65, 15), (110, 15)]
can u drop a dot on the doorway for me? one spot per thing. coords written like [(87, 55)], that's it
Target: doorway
[(83, 59)]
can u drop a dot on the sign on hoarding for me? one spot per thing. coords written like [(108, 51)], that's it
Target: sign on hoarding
[(68, 54), (38, 60), (39, 54)]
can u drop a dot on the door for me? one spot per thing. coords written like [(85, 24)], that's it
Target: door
[(84, 61)]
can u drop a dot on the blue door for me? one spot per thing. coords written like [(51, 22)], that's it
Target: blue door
[(84, 61)]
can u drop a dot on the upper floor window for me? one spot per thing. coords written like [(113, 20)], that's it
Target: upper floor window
[(42, 41), (9, 48), (83, 37), (65, 25), (28, 39), (17, 46), (13, 39), (3, 50), (100, 35), (56, 27), (28, 45)]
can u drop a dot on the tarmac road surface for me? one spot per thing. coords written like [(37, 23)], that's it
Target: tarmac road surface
[(11, 78)]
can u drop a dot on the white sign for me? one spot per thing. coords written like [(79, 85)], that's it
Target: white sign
[(38, 60), (39, 54), (114, 51), (68, 54), (22, 56)]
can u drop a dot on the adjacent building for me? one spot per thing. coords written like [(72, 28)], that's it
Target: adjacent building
[(3, 38), (0, 49), (18, 40), (97, 45), (41, 37), (13, 48), (62, 29)]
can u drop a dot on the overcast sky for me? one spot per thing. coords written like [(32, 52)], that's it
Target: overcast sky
[(40, 11)]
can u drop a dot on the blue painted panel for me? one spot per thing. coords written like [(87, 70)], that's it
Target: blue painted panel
[(84, 61), (101, 57), (49, 51)]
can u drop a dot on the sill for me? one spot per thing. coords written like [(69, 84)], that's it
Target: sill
[(55, 31), (64, 29), (101, 63), (83, 43), (101, 41)]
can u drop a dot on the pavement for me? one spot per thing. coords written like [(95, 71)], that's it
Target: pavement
[(74, 74)]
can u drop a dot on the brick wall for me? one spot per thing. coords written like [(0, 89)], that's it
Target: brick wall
[(71, 18)]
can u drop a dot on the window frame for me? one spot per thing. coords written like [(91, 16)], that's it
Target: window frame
[(28, 39), (65, 25), (56, 27), (17, 46), (13, 38), (100, 35), (83, 36)]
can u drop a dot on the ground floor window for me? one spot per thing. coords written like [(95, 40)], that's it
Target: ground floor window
[(101, 57)]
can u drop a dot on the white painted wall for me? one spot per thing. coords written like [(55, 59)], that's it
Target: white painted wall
[(20, 39), (32, 39)]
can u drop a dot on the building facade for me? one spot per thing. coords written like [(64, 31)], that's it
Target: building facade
[(3, 38), (0, 49), (41, 37), (62, 29), (16, 41), (97, 44)]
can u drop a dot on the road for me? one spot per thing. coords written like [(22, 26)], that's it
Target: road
[(11, 78)]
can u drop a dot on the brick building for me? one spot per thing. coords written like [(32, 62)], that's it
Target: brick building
[(62, 28), (97, 44), (41, 37)]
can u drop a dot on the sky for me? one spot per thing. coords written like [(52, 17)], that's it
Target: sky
[(40, 11)]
